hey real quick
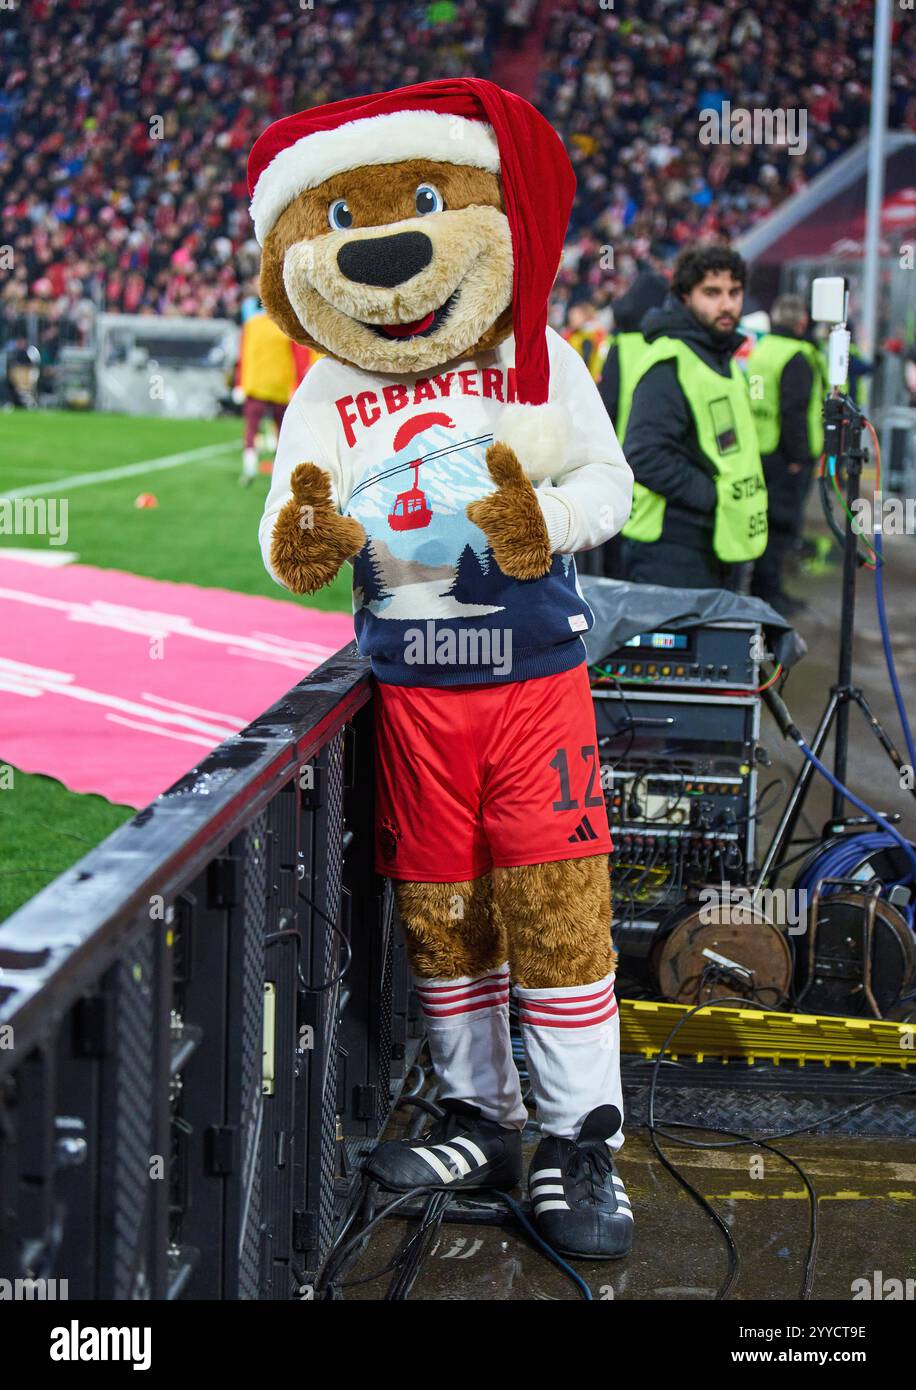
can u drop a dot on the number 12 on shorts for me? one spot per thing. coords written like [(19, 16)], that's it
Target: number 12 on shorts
[(560, 762)]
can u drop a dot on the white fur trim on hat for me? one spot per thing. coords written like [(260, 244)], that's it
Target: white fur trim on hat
[(371, 140), (539, 436)]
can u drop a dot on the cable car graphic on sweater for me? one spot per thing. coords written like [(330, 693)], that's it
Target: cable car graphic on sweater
[(410, 510)]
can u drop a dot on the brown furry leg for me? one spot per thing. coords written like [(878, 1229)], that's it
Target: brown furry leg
[(450, 928), (557, 918)]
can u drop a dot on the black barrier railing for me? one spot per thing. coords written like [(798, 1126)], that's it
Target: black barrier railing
[(205, 1020)]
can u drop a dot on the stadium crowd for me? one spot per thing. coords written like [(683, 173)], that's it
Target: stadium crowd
[(124, 129), (625, 85)]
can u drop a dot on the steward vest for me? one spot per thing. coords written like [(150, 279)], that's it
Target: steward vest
[(630, 349), (727, 438), (767, 363)]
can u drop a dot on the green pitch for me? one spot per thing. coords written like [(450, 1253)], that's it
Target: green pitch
[(203, 530)]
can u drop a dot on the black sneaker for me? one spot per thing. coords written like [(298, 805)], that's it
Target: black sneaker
[(578, 1199), (460, 1150)]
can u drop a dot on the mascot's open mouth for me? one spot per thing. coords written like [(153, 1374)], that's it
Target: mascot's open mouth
[(418, 328)]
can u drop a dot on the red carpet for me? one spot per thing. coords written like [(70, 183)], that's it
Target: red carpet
[(118, 685), (517, 68)]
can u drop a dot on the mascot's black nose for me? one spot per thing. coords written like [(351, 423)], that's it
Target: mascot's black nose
[(385, 260)]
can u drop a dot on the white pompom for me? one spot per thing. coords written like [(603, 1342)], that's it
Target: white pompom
[(538, 435)]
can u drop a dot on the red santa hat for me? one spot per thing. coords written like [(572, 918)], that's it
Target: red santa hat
[(463, 120)]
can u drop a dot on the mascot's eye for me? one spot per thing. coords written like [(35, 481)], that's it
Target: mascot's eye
[(339, 215), (428, 199)]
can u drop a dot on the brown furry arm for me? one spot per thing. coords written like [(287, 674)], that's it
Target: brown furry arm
[(310, 539), (511, 518)]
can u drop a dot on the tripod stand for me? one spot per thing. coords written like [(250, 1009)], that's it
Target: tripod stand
[(843, 425)]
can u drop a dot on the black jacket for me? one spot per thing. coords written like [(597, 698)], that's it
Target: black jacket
[(661, 443), (647, 292)]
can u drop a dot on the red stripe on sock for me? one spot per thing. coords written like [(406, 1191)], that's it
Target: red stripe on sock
[(567, 1009), (535, 1020), (472, 992), (467, 1008)]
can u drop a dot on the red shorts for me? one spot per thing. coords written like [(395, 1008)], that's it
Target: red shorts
[(487, 775)]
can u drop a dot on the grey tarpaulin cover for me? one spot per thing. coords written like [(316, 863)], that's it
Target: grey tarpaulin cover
[(623, 610)]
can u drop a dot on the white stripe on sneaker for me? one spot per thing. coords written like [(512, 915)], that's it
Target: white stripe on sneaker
[(457, 1158), (550, 1206), (470, 1147), (538, 1189), (436, 1164), (546, 1173)]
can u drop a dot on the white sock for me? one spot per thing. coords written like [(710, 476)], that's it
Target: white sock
[(467, 1022), (249, 462), (572, 1043)]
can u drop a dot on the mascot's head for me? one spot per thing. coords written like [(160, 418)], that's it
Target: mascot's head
[(409, 229)]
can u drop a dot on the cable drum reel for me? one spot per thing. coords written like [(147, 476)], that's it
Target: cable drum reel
[(859, 957), (720, 951)]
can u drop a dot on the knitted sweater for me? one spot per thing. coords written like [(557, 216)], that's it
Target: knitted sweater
[(405, 455)]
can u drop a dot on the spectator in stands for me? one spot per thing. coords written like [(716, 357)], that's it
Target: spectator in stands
[(786, 378), (121, 125), (699, 503), (121, 128), (625, 86)]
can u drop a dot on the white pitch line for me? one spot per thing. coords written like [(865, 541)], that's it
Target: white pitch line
[(128, 470)]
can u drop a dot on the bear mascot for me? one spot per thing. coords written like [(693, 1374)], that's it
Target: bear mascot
[(454, 449)]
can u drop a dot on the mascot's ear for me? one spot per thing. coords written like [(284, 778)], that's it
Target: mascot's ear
[(539, 437)]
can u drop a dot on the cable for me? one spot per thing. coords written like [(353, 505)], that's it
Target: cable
[(324, 1280), (839, 860), (548, 1250), (734, 1259), (873, 563), (759, 810), (757, 690), (291, 933), (872, 814), (882, 616), (410, 1258)]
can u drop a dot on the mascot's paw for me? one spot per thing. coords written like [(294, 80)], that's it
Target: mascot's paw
[(511, 518), (311, 540)]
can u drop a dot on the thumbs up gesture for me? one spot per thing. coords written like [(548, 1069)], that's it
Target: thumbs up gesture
[(311, 540), (511, 518)]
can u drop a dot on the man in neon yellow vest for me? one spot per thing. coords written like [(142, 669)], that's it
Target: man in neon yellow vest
[(786, 381), (699, 503)]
